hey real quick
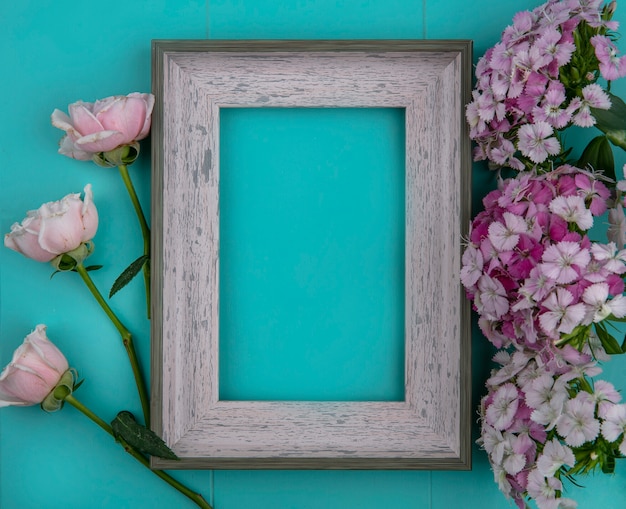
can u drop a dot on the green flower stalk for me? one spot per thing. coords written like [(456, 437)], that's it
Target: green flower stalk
[(145, 230), (126, 337), (122, 157), (193, 496)]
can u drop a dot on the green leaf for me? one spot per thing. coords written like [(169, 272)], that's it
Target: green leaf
[(612, 122), (129, 273), (139, 437), (609, 343), (599, 155), (93, 267)]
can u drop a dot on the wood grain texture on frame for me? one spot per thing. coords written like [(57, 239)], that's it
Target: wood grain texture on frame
[(192, 80)]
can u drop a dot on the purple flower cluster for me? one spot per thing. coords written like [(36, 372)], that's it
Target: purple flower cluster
[(531, 270), (544, 290), (541, 78), (540, 424)]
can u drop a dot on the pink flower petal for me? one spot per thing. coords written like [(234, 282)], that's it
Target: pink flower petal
[(102, 141), (126, 116), (83, 120)]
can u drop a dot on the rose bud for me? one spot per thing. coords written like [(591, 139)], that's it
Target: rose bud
[(36, 369), (94, 128), (55, 228)]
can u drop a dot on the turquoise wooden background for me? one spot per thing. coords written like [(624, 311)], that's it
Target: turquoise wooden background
[(56, 52)]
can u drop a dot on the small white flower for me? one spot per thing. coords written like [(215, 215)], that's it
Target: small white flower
[(515, 455), (614, 260), (491, 298), (504, 237), (543, 489), (596, 297), (545, 390), (558, 261), (472, 266), (515, 364), (553, 457), (492, 440), (578, 425), (614, 426), (605, 396), (536, 141), (617, 226), (561, 316), (501, 411), (573, 210), (528, 374)]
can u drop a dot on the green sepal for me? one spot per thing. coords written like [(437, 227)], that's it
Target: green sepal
[(54, 401), (139, 437), (66, 262), (122, 155), (129, 274), (612, 122), (599, 156)]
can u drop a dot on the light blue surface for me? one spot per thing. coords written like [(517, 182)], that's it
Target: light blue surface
[(56, 52), (312, 232)]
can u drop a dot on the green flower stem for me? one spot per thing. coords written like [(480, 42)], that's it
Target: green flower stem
[(192, 495), (145, 230), (127, 340), (79, 406)]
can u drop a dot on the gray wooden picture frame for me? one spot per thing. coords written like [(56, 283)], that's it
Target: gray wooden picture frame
[(192, 80)]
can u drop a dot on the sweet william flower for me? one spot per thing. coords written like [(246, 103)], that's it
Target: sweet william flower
[(536, 141), (596, 297), (573, 210), (491, 298), (55, 227), (560, 259), (543, 489), (614, 427), (501, 411), (617, 226), (472, 266), (606, 396), (612, 66), (93, 128), (35, 370), (553, 457), (577, 424)]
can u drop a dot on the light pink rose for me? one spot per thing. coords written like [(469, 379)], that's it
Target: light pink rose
[(55, 228), (36, 369), (104, 125)]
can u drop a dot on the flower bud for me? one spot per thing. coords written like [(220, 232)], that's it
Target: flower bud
[(609, 10)]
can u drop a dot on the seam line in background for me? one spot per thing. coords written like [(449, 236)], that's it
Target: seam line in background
[(424, 31)]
